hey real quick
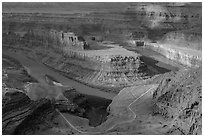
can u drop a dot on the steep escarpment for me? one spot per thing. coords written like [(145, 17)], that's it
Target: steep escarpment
[(184, 47), (179, 100), (186, 56)]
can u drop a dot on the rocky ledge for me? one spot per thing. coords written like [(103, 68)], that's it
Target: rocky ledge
[(182, 55)]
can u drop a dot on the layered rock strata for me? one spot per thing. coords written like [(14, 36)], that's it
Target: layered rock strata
[(185, 56), (101, 67), (154, 15), (24, 112)]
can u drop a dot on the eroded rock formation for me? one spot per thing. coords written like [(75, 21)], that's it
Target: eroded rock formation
[(122, 70), (179, 100), (104, 68), (25, 113), (69, 39)]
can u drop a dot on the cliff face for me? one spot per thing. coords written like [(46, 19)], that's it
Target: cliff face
[(179, 100), (122, 71), (185, 56)]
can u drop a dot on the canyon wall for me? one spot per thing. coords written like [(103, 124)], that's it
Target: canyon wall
[(179, 100), (187, 57), (176, 27)]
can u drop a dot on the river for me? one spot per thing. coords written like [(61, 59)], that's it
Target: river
[(155, 60), (38, 71)]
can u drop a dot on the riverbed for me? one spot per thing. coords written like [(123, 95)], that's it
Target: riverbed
[(155, 60), (38, 71)]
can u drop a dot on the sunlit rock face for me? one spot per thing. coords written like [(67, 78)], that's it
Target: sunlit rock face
[(179, 100), (190, 58), (122, 71)]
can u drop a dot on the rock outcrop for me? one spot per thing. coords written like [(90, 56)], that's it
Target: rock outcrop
[(122, 71), (24, 112), (69, 39), (179, 100), (40, 117), (182, 55), (101, 67), (16, 107)]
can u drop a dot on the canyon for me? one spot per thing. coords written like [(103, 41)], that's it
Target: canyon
[(103, 68)]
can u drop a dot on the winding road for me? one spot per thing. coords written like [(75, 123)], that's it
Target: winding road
[(128, 121)]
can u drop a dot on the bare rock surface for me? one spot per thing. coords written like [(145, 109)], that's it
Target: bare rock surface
[(184, 55), (179, 100)]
